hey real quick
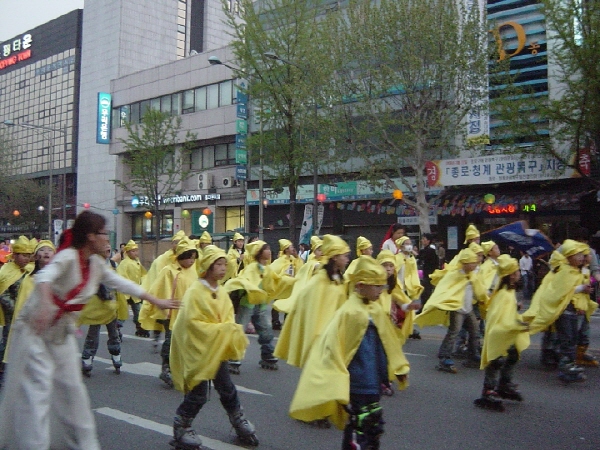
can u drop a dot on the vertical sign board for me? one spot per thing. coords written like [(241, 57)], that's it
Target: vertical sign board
[(103, 119)]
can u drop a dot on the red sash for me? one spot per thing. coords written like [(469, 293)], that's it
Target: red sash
[(62, 304)]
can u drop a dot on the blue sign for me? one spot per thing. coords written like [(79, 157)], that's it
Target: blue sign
[(135, 202), (240, 141), (241, 172), (241, 96), (103, 119), (242, 111), (533, 242)]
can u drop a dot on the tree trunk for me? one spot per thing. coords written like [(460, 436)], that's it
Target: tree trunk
[(421, 198)]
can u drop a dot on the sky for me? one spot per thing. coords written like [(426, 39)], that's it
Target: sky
[(18, 16)]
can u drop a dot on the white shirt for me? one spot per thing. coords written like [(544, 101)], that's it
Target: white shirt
[(525, 264)]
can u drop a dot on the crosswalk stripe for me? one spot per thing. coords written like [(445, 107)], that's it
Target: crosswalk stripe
[(160, 428), (152, 370)]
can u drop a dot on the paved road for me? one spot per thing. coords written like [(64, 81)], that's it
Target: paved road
[(134, 410)]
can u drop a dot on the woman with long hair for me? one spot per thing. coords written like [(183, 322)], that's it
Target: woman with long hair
[(46, 404)]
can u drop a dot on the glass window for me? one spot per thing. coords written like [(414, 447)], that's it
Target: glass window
[(231, 152), (135, 113), (116, 115), (234, 218), (165, 104), (201, 98), (208, 157), (176, 107), (188, 101), (212, 96), (225, 90), (144, 107), (196, 159), (155, 104), (221, 155)]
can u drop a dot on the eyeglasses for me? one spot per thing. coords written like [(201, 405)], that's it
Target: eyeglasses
[(105, 234)]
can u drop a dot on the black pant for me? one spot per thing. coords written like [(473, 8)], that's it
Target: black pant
[(166, 347), (197, 397), (363, 428)]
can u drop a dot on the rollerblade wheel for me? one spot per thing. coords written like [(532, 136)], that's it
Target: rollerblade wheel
[(178, 446), (251, 440), (485, 403), (268, 365)]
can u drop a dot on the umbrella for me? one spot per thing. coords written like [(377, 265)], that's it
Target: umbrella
[(531, 241)]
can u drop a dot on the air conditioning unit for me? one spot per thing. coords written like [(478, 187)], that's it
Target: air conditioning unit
[(228, 182), (205, 180)]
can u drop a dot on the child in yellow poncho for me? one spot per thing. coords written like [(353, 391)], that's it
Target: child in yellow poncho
[(363, 247), (408, 279), (558, 303), (102, 309), (171, 283), (132, 269), (356, 352), (11, 276), (451, 304), (43, 254), (288, 263), (256, 286), (316, 304), (205, 336), (506, 336)]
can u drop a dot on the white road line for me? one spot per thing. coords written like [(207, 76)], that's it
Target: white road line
[(415, 354), (160, 428), (152, 370)]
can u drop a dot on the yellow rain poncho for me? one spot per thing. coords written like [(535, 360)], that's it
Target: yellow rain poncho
[(313, 308), (305, 273), (205, 333), (324, 386), (362, 244), (553, 297), (10, 273), (260, 283), (556, 259), (133, 270), (396, 296), (171, 283), (234, 259), (504, 326), (449, 294)]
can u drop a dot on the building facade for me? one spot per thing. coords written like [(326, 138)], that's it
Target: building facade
[(39, 97)]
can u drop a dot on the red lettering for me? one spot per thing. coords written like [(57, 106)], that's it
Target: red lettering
[(22, 56)]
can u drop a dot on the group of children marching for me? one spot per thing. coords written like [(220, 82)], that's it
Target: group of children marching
[(344, 325)]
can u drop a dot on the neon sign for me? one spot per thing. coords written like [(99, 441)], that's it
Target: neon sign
[(531, 207), (16, 51), (11, 60), (506, 209)]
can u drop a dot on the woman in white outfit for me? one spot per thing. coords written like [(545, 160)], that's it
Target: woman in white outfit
[(45, 402)]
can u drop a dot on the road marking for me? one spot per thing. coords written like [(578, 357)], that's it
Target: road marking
[(152, 370), (160, 428), (415, 354)]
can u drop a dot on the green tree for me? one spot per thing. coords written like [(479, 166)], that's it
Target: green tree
[(157, 159), (288, 91), (408, 75), (573, 31)]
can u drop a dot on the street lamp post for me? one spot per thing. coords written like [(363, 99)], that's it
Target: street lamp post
[(275, 57), (50, 136), (214, 60)]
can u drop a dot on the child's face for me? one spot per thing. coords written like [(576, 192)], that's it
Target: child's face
[(218, 269), (341, 261), (515, 276), (494, 252), (576, 260), (369, 291), (367, 251), (389, 268), (21, 259), (187, 263), (44, 255), (469, 267), (133, 253)]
